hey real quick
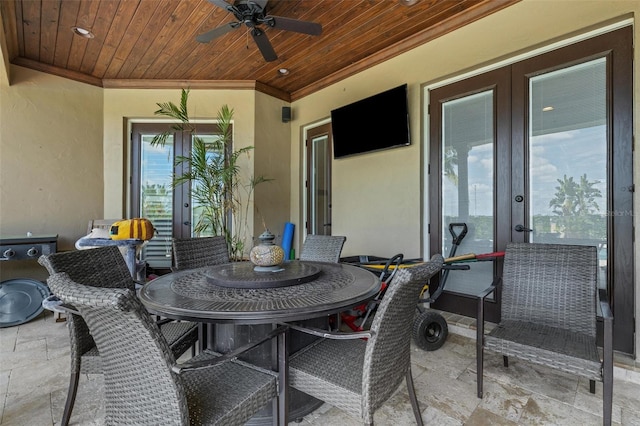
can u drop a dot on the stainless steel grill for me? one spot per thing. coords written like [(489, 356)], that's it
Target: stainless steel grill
[(26, 247)]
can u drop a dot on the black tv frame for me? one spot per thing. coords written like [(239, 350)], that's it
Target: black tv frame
[(372, 124)]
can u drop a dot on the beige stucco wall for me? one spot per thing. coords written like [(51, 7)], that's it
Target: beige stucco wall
[(124, 105), (377, 196), (50, 159), (272, 161), (56, 172), (255, 123)]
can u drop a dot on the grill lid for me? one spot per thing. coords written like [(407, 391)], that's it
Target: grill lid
[(21, 300)]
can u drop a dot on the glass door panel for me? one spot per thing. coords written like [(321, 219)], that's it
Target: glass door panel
[(156, 198), (568, 158), (320, 185), (468, 186)]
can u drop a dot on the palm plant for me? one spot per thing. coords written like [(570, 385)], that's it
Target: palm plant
[(576, 205), (213, 175), (451, 164)]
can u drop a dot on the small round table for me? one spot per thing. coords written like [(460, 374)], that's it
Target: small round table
[(243, 304)]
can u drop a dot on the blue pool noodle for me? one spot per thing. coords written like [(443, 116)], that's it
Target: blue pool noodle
[(287, 238)]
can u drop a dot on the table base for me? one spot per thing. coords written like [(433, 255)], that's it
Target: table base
[(226, 337)]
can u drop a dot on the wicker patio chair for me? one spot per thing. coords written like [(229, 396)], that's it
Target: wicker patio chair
[(322, 248), (190, 253), (372, 363), (103, 267), (548, 315), (143, 383)]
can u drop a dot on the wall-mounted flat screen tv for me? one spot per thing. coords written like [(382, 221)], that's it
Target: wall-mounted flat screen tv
[(378, 122)]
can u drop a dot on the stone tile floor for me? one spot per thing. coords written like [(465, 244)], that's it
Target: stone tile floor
[(34, 366)]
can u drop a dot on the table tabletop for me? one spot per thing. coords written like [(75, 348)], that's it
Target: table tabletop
[(193, 295)]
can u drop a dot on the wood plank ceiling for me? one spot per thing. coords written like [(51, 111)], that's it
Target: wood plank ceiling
[(151, 43)]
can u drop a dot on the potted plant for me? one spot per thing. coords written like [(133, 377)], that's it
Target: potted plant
[(212, 172)]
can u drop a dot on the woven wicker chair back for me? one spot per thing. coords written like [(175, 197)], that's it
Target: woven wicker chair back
[(322, 248), (97, 267), (190, 253), (388, 352), (139, 385), (551, 284)]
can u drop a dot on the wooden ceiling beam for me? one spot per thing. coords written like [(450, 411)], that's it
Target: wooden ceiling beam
[(60, 72)]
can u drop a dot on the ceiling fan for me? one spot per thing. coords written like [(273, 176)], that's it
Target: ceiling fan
[(253, 13)]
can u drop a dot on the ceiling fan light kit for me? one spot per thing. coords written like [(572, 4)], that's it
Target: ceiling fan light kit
[(253, 14)]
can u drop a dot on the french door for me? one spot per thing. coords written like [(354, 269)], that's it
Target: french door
[(171, 209), (538, 151)]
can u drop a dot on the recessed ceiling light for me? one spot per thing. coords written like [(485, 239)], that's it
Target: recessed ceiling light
[(407, 2), (82, 32), (283, 71), (547, 108)]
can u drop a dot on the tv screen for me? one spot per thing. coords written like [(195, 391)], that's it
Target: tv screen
[(371, 124)]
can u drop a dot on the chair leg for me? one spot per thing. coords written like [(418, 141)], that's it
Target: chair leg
[(413, 398), (479, 368), (480, 347), (592, 386), (505, 360), (71, 398)]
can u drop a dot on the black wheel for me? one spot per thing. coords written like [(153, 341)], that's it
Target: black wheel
[(430, 330)]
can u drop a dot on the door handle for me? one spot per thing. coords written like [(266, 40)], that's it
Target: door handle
[(520, 228)]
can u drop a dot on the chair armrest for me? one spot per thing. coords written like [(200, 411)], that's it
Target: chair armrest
[(487, 291), (497, 282), (336, 335), (229, 356)]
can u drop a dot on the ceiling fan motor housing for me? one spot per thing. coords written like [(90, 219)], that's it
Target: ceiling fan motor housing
[(249, 12)]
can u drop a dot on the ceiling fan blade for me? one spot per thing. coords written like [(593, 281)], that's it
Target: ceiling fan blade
[(261, 3), (222, 4), (216, 32), (264, 45), (288, 24)]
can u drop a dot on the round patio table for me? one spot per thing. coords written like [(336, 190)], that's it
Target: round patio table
[(243, 304), (194, 295)]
